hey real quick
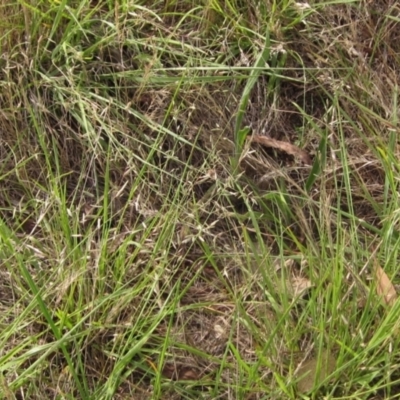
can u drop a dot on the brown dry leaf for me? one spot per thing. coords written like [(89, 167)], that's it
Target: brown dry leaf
[(309, 374), (284, 146), (384, 286)]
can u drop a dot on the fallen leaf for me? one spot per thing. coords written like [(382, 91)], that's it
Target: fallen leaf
[(284, 146), (309, 374), (384, 286)]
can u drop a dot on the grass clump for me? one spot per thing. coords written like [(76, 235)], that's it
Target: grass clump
[(149, 248)]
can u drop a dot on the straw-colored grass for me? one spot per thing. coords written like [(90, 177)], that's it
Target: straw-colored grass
[(149, 248)]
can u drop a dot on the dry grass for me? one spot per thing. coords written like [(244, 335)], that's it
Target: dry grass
[(135, 261)]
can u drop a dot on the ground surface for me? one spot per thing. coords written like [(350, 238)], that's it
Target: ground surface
[(199, 200)]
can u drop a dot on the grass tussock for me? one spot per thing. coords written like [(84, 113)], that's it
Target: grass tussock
[(148, 249)]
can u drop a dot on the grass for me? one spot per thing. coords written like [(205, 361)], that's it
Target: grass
[(148, 250)]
